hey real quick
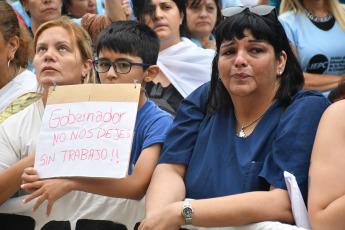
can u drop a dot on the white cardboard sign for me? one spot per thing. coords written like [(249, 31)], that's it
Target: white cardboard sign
[(87, 139)]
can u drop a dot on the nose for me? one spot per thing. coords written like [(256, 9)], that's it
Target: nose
[(112, 74), (92, 3), (49, 55), (158, 13), (241, 60), (203, 12)]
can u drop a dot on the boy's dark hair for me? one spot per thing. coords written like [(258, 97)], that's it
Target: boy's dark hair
[(130, 37), (266, 28)]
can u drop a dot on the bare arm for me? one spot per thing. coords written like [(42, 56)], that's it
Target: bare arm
[(166, 191), (321, 82), (241, 209), (126, 9), (114, 10), (132, 187), (326, 199), (10, 179), (166, 188)]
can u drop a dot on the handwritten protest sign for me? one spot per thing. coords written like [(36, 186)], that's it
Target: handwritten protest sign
[(87, 131)]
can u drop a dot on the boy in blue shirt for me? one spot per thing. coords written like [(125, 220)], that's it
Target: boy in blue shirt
[(127, 52)]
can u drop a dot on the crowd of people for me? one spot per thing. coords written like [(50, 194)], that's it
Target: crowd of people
[(233, 94)]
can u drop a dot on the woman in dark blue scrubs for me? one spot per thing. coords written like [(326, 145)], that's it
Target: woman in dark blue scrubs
[(233, 138)]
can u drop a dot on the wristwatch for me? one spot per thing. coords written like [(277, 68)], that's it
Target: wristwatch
[(187, 212)]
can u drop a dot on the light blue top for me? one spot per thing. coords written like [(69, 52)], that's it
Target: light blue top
[(196, 41), (319, 51), (228, 3)]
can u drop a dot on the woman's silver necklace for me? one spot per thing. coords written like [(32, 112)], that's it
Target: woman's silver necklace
[(318, 19), (242, 133)]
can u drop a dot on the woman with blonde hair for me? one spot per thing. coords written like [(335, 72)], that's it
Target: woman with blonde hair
[(62, 59), (316, 30)]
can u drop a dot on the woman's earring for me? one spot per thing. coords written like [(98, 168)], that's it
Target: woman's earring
[(8, 69)]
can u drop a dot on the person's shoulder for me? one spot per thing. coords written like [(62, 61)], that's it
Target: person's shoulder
[(188, 48), (201, 91), (154, 113), (309, 99), (287, 14), (28, 80), (289, 17), (197, 100), (22, 127), (192, 46), (335, 112)]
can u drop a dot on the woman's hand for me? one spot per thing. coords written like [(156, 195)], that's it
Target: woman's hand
[(30, 175), (50, 190), (127, 9), (170, 218)]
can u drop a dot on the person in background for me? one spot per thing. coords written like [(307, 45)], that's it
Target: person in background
[(127, 51), (184, 66), (18, 86), (43, 11), (202, 17), (77, 8), (326, 175), (233, 138), (337, 93), (316, 31), (65, 58)]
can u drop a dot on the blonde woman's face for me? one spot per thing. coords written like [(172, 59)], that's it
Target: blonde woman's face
[(58, 58)]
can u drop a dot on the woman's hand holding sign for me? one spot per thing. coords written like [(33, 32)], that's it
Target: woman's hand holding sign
[(50, 190)]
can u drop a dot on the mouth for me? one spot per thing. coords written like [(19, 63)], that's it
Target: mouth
[(159, 26), (202, 23), (240, 76), (94, 11), (48, 69), (49, 9)]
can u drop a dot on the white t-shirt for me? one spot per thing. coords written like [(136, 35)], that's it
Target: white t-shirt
[(25, 82)]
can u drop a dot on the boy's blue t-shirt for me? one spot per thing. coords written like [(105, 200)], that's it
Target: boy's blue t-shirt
[(151, 127)]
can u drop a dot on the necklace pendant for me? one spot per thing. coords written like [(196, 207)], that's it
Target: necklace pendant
[(241, 134)]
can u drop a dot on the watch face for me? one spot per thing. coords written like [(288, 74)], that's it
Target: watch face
[(187, 212)]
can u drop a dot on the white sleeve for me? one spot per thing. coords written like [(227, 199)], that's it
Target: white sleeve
[(8, 153), (18, 136)]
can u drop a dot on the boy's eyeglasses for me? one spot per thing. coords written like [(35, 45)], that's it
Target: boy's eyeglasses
[(261, 10), (120, 66)]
